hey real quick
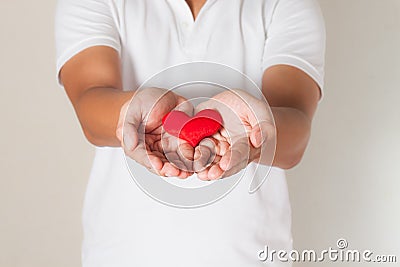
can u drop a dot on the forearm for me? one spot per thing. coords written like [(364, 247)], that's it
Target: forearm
[(98, 110), (293, 132)]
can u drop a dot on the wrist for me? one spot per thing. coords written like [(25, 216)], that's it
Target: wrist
[(98, 111)]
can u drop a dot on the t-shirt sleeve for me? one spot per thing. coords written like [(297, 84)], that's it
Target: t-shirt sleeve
[(296, 37), (80, 24)]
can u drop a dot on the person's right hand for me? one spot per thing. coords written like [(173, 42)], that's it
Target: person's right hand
[(141, 135)]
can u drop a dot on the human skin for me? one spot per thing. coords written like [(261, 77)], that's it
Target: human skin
[(146, 143), (248, 135), (195, 6), (292, 110), (92, 80)]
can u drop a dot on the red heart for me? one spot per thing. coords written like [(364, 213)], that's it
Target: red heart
[(192, 129)]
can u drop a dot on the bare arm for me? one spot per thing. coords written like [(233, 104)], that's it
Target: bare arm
[(293, 97), (92, 80)]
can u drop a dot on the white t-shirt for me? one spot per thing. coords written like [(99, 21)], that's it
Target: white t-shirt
[(122, 225)]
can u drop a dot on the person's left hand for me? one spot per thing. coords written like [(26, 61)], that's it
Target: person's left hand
[(248, 125)]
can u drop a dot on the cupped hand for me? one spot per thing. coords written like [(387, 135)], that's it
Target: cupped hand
[(247, 126), (141, 135)]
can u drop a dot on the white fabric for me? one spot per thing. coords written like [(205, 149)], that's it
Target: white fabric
[(122, 225)]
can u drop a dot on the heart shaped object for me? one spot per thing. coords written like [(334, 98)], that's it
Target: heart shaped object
[(192, 129)]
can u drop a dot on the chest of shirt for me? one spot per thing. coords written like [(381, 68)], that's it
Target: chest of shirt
[(156, 34)]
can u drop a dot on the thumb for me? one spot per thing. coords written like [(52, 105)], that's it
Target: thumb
[(261, 132), (127, 132), (130, 138), (120, 125)]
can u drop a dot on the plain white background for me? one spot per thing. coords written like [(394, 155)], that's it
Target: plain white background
[(347, 185)]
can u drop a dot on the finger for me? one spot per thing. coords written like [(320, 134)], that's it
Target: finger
[(179, 155), (256, 136), (150, 105), (221, 144), (146, 158), (184, 174), (180, 160), (186, 155), (209, 104), (159, 155), (178, 152), (238, 152), (204, 154), (130, 130), (169, 170), (234, 170), (175, 160), (230, 159), (130, 137), (121, 119), (215, 172), (203, 175), (186, 151), (261, 132)]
